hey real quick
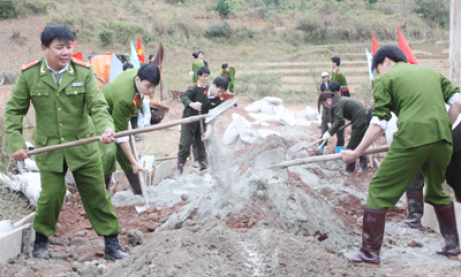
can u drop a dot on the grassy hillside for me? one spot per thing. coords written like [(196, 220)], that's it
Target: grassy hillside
[(250, 34)]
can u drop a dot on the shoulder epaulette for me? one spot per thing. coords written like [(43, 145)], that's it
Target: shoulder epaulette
[(191, 85), (337, 72), (201, 86), (81, 63), (222, 72), (231, 66), (28, 65)]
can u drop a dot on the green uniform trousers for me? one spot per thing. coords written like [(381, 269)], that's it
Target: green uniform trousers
[(358, 131), (187, 138), (400, 167), (95, 198), (327, 119)]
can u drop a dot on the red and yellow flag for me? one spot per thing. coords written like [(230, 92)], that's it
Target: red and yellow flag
[(140, 51)]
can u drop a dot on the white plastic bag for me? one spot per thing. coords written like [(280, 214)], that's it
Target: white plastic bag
[(249, 136), (238, 125)]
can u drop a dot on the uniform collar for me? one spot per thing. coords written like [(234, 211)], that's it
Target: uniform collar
[(208, 94), (138, 91), (54, 71), (336, 69)]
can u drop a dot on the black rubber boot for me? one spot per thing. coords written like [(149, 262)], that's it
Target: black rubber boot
[(415, 203), (181, 163), (372, 239), (363, 163), (448, 230), (40, 250), (135, 184), (350, 168), (113, 250)]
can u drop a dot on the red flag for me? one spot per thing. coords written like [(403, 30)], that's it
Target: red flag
[(140, 51), (374, 44), (78, 55), (406, 49)]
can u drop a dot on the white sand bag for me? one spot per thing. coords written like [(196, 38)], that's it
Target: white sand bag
[(264, 133), (238, 125), (273, 100), (249, 136)]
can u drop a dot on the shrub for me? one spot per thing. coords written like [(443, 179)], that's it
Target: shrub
[(7, 10), (106, 37), (34, 8), (260, 84), (175, 1), (434, 12), (224, 7), (219, 30), (127, 31)]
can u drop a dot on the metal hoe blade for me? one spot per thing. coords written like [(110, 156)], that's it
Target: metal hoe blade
[(221, 109)]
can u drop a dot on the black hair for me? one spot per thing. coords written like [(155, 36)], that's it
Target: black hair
[(149, 72), (127, 66), (52, 32), (203, 70), (200, 52), (392, 52), (221, 82), (336, 60), (327, 95), (151, 56), (335, 87), (224, 66), (195, 55)]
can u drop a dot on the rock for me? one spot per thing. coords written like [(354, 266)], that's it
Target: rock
[(390, 241), (153, 217), (135, 237), (78, 241), (56, 241), (95, 263), (329, 249), (59, 255), (80, 234), (260, 194), (171, 272), (101, 269), (123, 232), (185, 196), (85, 258), (58, 225), (153, 227), (99, 254), (76, 266), (152, 210), (414, 243), (188, 223)]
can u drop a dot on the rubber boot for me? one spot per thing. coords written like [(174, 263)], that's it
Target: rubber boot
[(372, 239), (203, 165), (363, 163), (107, 179), (40, 250), (113, 250), (350, 167), (415, 203), (181, 163), (135, 184), (447, 223)]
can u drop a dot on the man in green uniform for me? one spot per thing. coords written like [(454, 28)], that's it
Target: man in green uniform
[(60, 87), (326, 118), (338, 76), (198, 63), (346, 108), (417, 95), (125, 97), (229, 73), (198, 97)]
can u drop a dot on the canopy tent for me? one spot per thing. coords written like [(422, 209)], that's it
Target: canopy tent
[(106, 68)]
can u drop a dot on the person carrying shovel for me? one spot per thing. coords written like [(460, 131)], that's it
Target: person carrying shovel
[(60, 87), (417, 95), (124, 97), (346, 108)]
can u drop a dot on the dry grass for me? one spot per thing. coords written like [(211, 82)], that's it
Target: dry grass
[(13, 206)]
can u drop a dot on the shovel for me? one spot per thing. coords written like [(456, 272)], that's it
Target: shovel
[(292, 151), (146, 206)]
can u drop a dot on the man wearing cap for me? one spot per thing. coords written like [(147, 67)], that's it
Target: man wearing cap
[(325, 86), (417, 95)]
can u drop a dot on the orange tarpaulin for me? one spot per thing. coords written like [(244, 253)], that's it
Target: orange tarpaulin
[(101, 67)]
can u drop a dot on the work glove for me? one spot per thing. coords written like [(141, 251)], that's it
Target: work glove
[(326, 136)]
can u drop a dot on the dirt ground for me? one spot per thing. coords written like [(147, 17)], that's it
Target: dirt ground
[(241, 219)]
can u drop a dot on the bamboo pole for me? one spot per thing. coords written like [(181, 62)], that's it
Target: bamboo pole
[(325, 158), (119, 134)]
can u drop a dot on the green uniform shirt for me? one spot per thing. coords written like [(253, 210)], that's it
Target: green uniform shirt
[(230, 75), (60, 115), (195, 66), (198, 92), (417, 95), (338, 76), (121, 98), (350, 109)]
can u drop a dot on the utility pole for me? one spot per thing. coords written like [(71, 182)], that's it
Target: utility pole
[(455, 42)]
